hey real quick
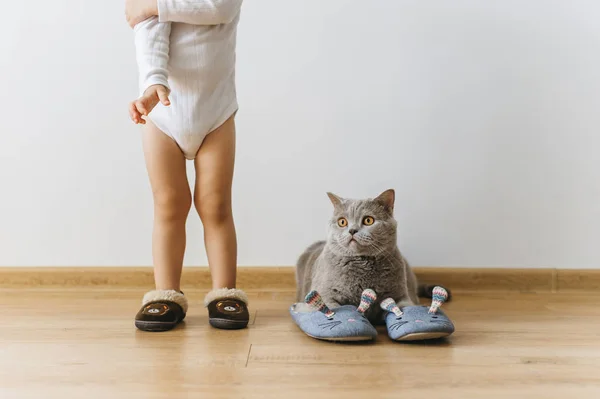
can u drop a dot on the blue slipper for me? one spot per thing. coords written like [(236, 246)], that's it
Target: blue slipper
[(343, 324), (415, 323)]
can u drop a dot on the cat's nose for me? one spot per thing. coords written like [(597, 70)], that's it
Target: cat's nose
[(352, 231)]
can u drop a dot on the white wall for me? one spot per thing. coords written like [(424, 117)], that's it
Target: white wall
[(485, 117)]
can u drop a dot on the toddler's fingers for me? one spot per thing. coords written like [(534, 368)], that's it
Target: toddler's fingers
[(141, 107), (163, 96), (134, 114)]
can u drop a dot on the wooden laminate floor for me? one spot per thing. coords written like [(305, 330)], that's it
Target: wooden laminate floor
[(82, 344)]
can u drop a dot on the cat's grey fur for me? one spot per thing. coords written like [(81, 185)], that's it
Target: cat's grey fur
[(341, 268)]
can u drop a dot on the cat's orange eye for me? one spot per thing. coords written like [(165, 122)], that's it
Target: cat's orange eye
[(342, 222), (369, 220)]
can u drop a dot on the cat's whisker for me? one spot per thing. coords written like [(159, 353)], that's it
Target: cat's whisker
[(382, 251), (387, 254)]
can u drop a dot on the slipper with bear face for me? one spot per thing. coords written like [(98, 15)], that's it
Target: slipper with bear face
[(161, 310), (227, 308)]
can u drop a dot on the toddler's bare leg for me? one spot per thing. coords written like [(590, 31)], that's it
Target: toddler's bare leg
[(172, 202), (212, 198)]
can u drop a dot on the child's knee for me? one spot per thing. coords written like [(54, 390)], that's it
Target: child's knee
[(213, 209), (171, 204)]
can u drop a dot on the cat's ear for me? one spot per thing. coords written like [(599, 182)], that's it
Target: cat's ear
[(335, 200), (387, 199)]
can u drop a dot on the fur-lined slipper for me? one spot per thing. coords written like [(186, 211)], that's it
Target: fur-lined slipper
[(227, 308), (161, 310)]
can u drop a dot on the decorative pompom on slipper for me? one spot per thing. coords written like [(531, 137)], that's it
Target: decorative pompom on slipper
[(426, 291), (315, 301), (389, 305), (367, 299), (342, 324), (414, 323), (227, 308), (161, 310), (439, 296)]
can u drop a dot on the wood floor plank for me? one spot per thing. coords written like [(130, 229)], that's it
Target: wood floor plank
[(82, 343)]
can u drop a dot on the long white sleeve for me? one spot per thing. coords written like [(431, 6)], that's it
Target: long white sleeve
[(152, 52), (199, 12), (200, 61)]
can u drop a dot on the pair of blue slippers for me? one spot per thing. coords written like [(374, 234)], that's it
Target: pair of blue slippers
[(348, 323)]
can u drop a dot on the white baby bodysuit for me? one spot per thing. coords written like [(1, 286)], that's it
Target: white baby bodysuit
[(190, 49)]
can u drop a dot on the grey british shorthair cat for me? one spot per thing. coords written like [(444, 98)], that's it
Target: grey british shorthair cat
[(360, 252)]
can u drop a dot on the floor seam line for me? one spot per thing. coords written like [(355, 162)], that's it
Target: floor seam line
[(248, 357)]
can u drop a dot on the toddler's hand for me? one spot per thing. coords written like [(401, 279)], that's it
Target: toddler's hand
[(137, 11), (146, 103)]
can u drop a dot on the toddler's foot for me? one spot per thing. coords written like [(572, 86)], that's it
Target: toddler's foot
[(227, 308), (161, 310)]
